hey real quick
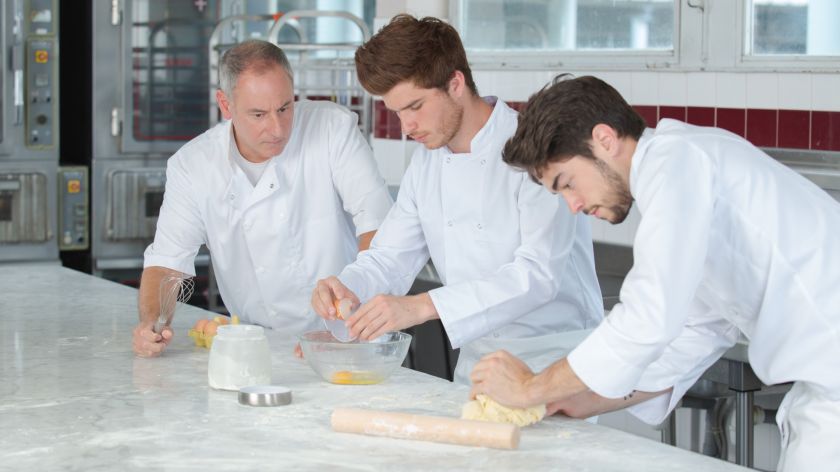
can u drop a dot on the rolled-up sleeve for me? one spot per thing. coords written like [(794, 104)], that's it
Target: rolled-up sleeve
[(363, 191), (180, 229), (674, 187)]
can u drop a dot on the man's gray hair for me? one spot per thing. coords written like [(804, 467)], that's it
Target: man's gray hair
[(253, 54)]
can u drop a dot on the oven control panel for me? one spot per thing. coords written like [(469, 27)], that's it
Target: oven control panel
[(41, 74), (73, 211)]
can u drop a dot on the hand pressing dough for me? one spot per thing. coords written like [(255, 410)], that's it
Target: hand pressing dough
[(484, 408)]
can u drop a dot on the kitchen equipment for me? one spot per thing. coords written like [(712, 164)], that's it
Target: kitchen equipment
[(173, 289), (338, 327), (239, 357), (425, 428), (356, 362), (29, 130), (265, 395)]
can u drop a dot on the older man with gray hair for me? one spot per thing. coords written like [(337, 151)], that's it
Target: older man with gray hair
[(281, 192)]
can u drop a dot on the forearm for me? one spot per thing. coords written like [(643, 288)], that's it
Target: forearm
[(148, 301), (589, 403), (557, 382), (365, 239)]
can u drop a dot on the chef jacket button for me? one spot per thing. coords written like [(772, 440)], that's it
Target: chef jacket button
[(448, 160), (479, 226), (270, 185), (231, 196), (449, 223), (483, 161)]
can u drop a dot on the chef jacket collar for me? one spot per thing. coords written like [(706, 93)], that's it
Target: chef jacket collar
[(638, 155), (239, 192), (486, 136)]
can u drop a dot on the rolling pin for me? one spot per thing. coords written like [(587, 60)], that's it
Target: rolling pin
[(425, 428)]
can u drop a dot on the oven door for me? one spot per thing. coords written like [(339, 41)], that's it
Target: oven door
[(133, 200), (27, 211), (165, 81), (23, 208)]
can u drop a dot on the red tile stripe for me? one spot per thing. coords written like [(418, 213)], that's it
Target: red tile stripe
[(791, 129)]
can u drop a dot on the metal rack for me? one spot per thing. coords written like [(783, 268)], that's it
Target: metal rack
[(322, 70)]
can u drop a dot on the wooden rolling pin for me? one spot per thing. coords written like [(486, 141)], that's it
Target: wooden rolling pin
[(425, 428)]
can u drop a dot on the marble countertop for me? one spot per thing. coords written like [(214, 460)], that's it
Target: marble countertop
[(74, 397)]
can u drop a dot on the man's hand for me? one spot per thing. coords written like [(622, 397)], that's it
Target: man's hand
[(504, 378), (147, 343), (385, 313), (326, 292)]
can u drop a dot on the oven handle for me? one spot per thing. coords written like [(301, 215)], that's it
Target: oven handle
[(17, 62)]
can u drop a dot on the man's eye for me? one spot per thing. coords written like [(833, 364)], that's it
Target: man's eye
[(259, 115)]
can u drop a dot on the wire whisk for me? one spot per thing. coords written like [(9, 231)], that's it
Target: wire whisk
[(173, 289)]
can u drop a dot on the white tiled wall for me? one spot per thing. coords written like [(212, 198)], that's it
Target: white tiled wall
[(701, 89), (762, 91), (806, 91), (392, 156)]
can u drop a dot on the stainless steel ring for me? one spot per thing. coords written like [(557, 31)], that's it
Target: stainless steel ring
[(265, 395)]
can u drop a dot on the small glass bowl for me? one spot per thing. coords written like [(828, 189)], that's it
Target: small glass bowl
[(356, 362)]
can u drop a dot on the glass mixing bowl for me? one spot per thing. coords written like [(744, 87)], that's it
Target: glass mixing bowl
[(356, 362)]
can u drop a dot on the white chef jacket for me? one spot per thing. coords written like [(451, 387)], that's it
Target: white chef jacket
[(730, 241), (514, 262), (272, 241)]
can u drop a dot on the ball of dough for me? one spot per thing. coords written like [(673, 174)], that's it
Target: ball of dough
[(484, 408)]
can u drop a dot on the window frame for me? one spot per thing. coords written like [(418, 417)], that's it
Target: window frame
[(589, 59), (779, 62), (705, 40)]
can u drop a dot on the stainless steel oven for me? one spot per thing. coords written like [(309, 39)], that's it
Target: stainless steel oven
[(149, 98), (29, 134)]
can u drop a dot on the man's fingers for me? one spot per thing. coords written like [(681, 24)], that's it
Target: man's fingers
[(322, 301), (167, 335), (149, 336), (377, 327), (147, 343)]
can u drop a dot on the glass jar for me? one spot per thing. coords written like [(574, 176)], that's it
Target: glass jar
[(239, 357)]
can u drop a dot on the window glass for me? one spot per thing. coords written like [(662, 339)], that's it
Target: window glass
[(567, 24), (798, 27)]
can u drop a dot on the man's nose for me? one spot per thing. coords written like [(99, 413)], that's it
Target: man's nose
[(408, 123), (575, 203), (276, 124)]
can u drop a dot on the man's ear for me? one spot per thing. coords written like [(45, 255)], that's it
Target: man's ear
[(457, 84), (224, 104), (605, 139)]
